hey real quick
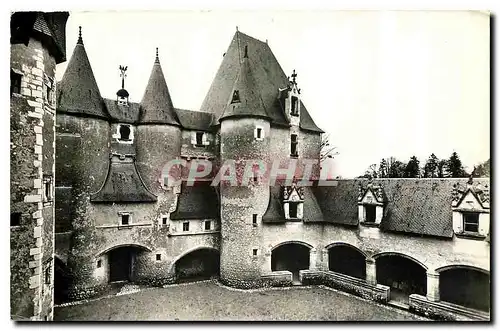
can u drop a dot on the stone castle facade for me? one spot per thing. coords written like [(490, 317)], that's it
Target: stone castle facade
[(419, 243)]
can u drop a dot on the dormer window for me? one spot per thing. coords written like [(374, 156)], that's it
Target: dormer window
[(293, 203), (295, 106), (471, 222), (371, 201), (236, 97), (199, 138)]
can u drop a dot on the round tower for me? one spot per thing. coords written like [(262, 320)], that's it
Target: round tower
[(82, 160), (158, 131), (244, 144)]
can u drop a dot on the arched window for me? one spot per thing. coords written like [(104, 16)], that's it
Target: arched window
[(124, 132)]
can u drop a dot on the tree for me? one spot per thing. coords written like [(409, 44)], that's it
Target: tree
[(382, 169), (431, 167), (441, 168), (454, 167), (326, 152), (482, 170), (412, 169), (396, 168), (371, 172)]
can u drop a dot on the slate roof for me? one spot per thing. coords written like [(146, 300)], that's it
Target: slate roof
[(267, 73), (194, 120), (275, 213), (77, 92), (48, 27), (249, 102), (156, 104), (339, 203), (122, 114), (123, 184), (199, 201)]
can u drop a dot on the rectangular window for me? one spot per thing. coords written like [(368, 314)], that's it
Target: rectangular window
[(255, 251), (15, 82), (208, 225), (471, 222), (164, 221), (370, 213), (295, 108), (254, 220), (15, 219), (259, 133), (199, 138), (292, 209), (158, 257), (185, 226), (47, 186), (99, 263), (47, 275), (47, 90), (293, 145), (125, 219)]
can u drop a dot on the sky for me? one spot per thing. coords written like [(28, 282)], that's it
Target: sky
[(380, 83)]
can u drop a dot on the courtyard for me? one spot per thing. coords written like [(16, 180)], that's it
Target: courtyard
[(211, 301)]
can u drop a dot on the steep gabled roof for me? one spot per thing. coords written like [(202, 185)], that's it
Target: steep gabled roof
[(267, 73), (199, 201), (194, 120), (156, 104), (247, 101), (78, 92)]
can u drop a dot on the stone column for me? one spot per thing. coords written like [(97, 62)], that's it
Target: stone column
[(267, 261), (313, 259), (371, 271), (432, 286), (324, 259)]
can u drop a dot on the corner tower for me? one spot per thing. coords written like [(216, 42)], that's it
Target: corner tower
[(244, 143)]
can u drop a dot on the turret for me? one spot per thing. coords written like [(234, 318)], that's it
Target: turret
[(244, 137), (158, 131)]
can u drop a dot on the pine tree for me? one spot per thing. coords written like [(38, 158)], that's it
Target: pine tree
[(396, 168), (431, 167), (441, 168), (412, 169), (454, 167)]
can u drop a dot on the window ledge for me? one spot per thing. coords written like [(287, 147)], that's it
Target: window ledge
[(294, 156), (294, 219), (123, 226), (187, 233), (470, 235), (370, 224)]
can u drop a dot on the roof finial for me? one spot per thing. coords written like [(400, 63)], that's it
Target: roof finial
[(123, 70), (236, 28), (246, 52), (294, 76), (157, 59), (80, 40)]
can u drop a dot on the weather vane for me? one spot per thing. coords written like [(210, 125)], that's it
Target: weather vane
[(123, 74)]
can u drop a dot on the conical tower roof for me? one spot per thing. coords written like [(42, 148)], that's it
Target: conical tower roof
[(77, 91), (156, 104), (245, 99)]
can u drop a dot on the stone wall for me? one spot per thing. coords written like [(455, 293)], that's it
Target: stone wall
[(32, 160)]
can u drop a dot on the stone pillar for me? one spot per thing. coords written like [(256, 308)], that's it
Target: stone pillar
[(313, 259), (267, 261), (371, 271), (324, 259), (432, 286)]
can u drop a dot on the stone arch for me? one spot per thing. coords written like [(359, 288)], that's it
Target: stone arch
[(376, 256), (465, 285), (404, 274), (140, 246), (200, 262), (196, 248), (339, 243), (347, 259), (298, 242)]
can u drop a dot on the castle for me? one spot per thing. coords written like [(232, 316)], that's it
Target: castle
[(422, 244)]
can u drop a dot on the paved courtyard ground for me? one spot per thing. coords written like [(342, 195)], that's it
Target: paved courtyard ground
[(210, 301)]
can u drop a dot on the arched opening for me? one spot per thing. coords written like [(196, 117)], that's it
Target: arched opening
[(466, 287), (121, 262), (403, 275), (292, 257), (347, 260), (203, 263), (62, 279)]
